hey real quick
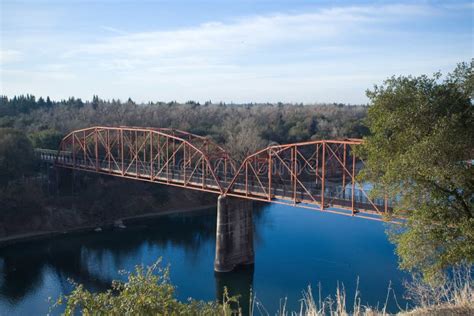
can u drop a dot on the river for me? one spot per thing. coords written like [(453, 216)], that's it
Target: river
[(294, 248)]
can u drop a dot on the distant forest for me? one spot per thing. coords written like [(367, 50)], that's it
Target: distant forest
[(27, 122), (241, 128)]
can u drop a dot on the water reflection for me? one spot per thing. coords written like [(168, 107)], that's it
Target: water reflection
[(293, 248), (238, 283), (82, 257), (93, 259)]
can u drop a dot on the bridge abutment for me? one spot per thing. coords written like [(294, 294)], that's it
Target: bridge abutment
[(234, 235)]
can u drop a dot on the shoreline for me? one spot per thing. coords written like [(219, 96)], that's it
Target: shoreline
[(19, 238)]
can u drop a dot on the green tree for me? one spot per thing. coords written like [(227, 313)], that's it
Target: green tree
[(95, 102), (48, 139), (16, 155), (419, 154), (41, 103), (148, 291)]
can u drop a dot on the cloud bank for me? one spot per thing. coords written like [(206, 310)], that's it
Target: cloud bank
[(327, 55)]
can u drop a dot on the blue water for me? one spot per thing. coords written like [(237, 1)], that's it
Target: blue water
[(294, 248)]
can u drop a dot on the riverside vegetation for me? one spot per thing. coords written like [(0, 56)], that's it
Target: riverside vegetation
[(27, 122), (148, 291), (419, 135)]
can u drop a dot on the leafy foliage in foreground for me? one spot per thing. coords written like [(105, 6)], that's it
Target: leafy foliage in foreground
[(422, 139), (147, 291)]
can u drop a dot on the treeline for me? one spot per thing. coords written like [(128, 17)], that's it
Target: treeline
[(241, 128), (27, 122)]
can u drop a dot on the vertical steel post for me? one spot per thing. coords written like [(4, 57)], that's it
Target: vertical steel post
[(159, 153), (202, 167), (167, 160), (317, 162), (246, 178), (151, 155), (121, 151), (174, 155), (85, 150), (117, 135), (136, 154), (96, 150), (109, 150), (205, 167), (145, 138), (323, 177), (270, 167), (184, 164), (74, 150), (353, 180), (344, 172), (294, 173)]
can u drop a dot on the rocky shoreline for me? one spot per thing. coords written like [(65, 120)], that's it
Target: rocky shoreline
[(119, 223)]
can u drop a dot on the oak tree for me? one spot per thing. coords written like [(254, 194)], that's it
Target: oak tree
[(419, 154)]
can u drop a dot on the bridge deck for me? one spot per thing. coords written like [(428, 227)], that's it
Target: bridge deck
[(340, 201)]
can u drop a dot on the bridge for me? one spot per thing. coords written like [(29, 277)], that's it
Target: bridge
[(319, 175)]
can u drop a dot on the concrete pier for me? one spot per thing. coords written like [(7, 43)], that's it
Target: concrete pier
[(234, 235)]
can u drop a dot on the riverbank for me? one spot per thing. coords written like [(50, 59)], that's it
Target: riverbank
[(30, 212), (19, 238)]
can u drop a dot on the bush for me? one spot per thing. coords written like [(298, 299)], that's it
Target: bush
[(148, 291)]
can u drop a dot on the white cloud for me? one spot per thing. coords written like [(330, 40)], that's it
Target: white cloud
[(9, 56), (255, 37), (219, 40), (328, 55)]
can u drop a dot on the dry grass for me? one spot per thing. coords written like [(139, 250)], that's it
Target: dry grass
[(451, 296)]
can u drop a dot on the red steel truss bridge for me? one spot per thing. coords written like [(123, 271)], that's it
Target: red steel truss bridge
[(320, 174)]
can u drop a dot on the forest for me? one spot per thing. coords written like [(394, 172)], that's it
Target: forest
[(241, 128), (28, 122)]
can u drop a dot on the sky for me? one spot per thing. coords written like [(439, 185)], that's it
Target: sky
[(230, 51)]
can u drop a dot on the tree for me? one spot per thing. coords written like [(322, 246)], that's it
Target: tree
[(419, 154), (16, 155), (95, 102), (148, 291), (49, 104), (47, 139), (243, 138), (41, 103)]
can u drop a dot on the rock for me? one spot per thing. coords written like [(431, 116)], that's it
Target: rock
[(119, 224)]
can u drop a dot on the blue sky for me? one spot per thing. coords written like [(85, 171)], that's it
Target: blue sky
[(240, 51)]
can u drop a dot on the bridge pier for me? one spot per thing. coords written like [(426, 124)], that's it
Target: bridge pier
[(234, 234)]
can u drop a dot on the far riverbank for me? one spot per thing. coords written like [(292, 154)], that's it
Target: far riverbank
[(19, 238)]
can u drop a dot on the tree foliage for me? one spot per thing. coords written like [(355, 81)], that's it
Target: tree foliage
[(16, 155), (48, 138), (147, 291), (419, 154), (242, 128)]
